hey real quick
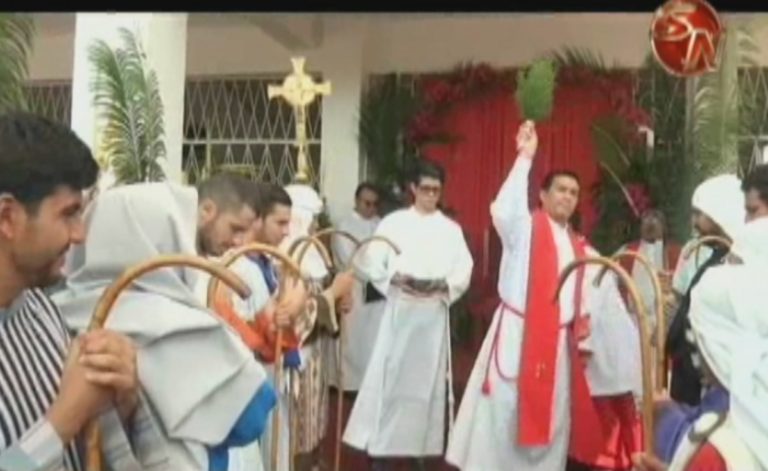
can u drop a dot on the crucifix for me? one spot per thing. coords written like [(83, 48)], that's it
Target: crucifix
[(299, 90)]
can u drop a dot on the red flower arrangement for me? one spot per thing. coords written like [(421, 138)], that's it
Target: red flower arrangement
[(439, 93)]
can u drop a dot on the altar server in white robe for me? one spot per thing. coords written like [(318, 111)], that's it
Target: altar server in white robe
[(515, 411), (400, 408), (362, 322)]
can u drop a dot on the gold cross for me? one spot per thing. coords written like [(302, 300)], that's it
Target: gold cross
[(299, 90)]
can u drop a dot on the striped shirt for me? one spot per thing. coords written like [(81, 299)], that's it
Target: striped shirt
[(33, 347)]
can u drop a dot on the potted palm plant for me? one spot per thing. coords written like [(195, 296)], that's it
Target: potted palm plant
[(128, 104), (16, 34)]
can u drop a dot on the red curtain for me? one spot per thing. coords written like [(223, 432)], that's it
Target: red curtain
[(478, 163)]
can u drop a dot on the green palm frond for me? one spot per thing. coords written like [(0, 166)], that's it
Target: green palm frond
[(384, 116), (16, 37), (535, 92), (127, 97), (717, 122), (581, 57)]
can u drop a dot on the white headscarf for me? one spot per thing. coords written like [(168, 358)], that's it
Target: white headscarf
[(729, 316), (306, 205), (722, 200), (194, 370)]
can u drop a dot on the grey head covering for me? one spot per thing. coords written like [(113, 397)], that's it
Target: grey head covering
[(194, 370)]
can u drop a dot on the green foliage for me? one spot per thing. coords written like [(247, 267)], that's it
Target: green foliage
[(670, 179), (536, 89), (386, 110), (16, 37), (127, 97), (581, 57), (717, 125)]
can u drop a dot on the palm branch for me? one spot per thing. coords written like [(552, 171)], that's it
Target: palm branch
[(127, 97), (581, 57), (16, 36), (717, 104), (384, 116)]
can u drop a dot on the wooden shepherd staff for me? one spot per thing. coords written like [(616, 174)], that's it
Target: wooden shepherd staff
[(293, 269), (303, 243), (94, 461), (642, 320), (661, 325), (359, 245)]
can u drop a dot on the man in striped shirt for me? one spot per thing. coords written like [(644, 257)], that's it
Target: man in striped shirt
[(50, 384)]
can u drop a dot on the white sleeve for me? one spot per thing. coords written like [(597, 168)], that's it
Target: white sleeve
[(252, 276), (509, 211)]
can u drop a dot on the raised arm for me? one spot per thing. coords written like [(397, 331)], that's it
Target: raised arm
[(509, 211)]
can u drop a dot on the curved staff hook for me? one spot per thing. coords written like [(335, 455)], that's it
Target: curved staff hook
[(293, 269), (340, 365), (107, 301), (642, 318), (310, 240), (696, 246), (661, 326)]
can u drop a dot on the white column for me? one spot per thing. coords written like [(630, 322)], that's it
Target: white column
[(342, 64), (164, 39)]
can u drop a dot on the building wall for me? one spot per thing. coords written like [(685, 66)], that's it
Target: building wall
[(356, 45)]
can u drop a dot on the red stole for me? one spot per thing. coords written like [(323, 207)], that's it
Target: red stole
[(536, 381)]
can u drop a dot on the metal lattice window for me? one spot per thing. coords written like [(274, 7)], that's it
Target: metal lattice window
[(229, 123), (52, 100)]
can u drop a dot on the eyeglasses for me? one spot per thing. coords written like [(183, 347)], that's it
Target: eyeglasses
[(429, 189)]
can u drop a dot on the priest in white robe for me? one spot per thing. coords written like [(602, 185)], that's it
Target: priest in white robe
[(400, 408), (361, 325), (528, 379)]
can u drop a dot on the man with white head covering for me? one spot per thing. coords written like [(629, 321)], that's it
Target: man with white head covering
[(203, 415), (312, 376), (718, 210), (727, 432)]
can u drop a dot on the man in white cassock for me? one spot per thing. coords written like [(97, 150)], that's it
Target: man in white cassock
[(528, 387), (660, 252), (362, 322), (613, 371), (400, 408)]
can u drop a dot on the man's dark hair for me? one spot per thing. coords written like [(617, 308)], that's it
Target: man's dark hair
[(231, 191), (366, 186), (38, 156), (549, 178), (273, 195), (757, 180), (428, 169)]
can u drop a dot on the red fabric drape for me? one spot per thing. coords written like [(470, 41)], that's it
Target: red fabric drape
[(477, 164)]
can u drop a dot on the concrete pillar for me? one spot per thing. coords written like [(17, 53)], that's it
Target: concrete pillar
[(164, 39), (342, 64)]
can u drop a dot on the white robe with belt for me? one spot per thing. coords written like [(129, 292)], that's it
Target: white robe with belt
[(485, 435), (362, 322), (400, 409)]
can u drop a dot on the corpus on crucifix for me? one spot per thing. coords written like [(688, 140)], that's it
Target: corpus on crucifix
[(299, 90)]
